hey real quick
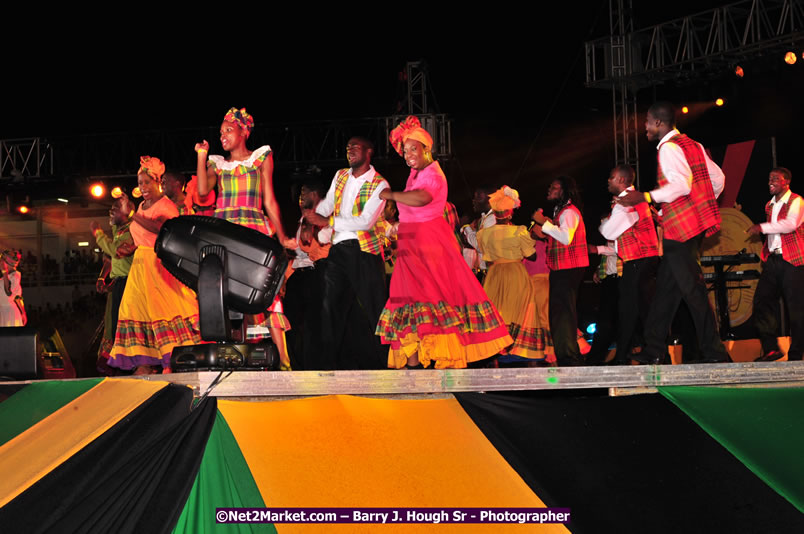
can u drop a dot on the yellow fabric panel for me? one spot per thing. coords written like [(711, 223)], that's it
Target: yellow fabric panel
[(343, 451), (43, 447)]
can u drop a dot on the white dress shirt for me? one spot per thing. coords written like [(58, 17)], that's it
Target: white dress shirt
[(611, 257), (567, 225), (775, 228), (301, 260), (678, 173), (621, 219), (470, 255), (345, 225)]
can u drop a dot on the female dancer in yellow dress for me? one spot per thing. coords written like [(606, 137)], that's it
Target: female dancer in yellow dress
[(507, 283), (157, 312), (245, 186)]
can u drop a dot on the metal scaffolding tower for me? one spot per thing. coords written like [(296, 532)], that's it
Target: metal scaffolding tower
[(20, 158), (623, 95)]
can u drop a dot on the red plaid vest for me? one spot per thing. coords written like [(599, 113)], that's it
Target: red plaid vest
[(640, 240), (792, 243), (688, 216), (560, 256), (371, 240)]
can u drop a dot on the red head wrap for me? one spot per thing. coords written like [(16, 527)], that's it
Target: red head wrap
[(410, 128)]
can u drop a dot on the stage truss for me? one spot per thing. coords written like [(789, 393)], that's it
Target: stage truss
[(686, 49)]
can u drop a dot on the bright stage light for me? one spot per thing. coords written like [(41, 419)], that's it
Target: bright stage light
[(591, 329), (117, 192), (685, 110), (738, 71), (719, 102), (23, 209), (790, 58), (136, 193), (97, 190)]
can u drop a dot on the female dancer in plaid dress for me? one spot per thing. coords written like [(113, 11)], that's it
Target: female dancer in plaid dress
[(244, 183)]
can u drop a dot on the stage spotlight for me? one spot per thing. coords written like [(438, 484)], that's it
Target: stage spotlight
[(97, 190), (117, 192), (719, 102), (790, 58), (738, 71), (136, 193), (591, 329), (23, 209), (685, 110)]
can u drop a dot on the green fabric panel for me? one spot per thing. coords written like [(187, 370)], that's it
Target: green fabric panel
[(762, 427), (36, 401), (224, 481)]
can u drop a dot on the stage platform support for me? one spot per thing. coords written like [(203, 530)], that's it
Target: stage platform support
[(625, 379)]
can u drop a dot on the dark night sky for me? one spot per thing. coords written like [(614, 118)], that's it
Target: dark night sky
[(511, 80)]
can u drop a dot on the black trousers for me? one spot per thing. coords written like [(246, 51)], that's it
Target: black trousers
[(606, 328), (564, 285), (354, 290), (116, 294), (780, 279), (679, 277), (302, 304), (637, 287)]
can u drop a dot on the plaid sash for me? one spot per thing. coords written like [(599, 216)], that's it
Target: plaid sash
[(371, 241)]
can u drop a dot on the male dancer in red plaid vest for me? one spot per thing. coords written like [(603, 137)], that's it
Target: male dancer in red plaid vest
[(688, 184), (783, 272), (634, 235), (567, 259), (352, 208)]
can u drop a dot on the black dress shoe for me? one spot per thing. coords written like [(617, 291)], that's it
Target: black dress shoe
[(771, 356), (647, 359)]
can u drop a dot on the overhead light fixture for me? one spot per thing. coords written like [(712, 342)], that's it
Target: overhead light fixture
[(738, 71), (97, 190), (63, 200), (685, 110), (719, 102), (790, 58)]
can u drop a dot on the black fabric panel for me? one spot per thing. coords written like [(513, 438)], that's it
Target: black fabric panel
[(134, 478), (7, 390), (627, 464)]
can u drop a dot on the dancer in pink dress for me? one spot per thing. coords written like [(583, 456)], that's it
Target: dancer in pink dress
[(437, 310)]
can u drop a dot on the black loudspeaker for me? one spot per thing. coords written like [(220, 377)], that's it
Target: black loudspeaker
[(262, 356), (17, 353), (252, 264)]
